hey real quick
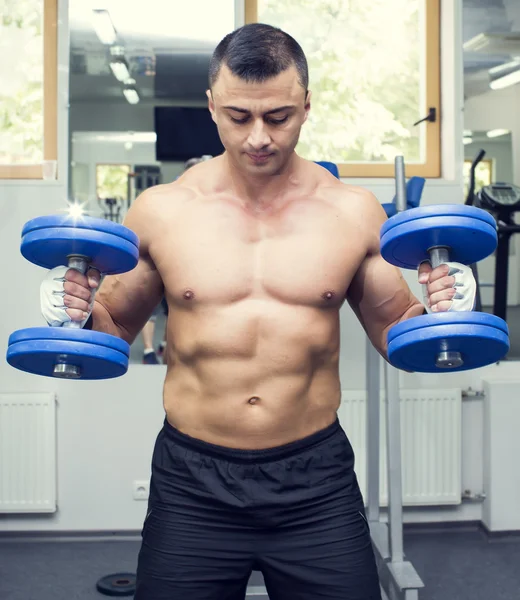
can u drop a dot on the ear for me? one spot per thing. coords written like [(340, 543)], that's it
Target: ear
[(307, 106), (211, 104)]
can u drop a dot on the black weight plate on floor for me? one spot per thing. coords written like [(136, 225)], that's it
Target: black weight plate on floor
[(117, 585), (111, 247), (469, 233), (480, 338)]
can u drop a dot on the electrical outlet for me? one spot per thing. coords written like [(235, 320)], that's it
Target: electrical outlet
[(141, 490)]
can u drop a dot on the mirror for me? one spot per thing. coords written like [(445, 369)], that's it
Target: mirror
[(496, 167), (138, 77)]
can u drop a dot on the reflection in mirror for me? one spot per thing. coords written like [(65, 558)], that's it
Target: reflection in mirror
[(491, 153), (138, 110), (497, 164)]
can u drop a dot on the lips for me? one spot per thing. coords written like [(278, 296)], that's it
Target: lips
[(258, 157)]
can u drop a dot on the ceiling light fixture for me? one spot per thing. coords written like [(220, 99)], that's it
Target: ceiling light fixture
[(493, 133), (504, 75), (103, 26), (119, 68), (130, 92)]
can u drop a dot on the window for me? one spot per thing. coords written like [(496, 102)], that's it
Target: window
[(112, 181), (374, 73), (483, 174), (28, 95)]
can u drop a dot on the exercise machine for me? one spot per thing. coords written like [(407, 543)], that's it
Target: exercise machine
[(502, 200)]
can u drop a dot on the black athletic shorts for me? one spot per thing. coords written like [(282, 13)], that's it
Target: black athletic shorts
[(294, 512)]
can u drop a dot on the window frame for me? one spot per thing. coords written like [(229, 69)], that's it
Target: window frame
[(50, 99), (431, 168)]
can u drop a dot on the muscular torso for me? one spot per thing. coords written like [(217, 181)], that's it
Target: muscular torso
[(254, 299)]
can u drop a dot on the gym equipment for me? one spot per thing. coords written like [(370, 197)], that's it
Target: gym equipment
[(398, 578), (414, 189), (111, 208), (117, 585), (70, 352), (502, 201), (330, 166), (453, 340)]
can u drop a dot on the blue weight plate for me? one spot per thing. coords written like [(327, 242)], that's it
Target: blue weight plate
[(470, 235), (50, 247), (66, 334), (480, 339), (98, 355), (438, 210), (82, 222), (462, 317)]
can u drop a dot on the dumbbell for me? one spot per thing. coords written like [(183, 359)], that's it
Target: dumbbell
[(70, 352), (447, 341)]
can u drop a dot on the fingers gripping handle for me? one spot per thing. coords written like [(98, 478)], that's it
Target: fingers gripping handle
[(80, 263), (64, 368), (446, 359), (438, 256)]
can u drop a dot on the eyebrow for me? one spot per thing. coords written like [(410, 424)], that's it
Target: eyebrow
[(269, 112)]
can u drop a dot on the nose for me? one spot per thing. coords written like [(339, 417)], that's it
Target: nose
[(258, 136)]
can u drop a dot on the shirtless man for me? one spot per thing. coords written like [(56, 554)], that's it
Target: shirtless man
[(256, 251)]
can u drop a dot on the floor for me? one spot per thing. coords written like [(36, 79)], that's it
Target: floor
[(458, 565)]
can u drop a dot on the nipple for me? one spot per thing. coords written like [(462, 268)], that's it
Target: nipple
[(328, 295), (188, 295)]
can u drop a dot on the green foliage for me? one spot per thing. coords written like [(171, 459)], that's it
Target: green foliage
[(364, 65), (21, 74), (112, 181)]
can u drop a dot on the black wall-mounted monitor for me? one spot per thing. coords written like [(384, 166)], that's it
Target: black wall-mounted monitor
[(184, 133)]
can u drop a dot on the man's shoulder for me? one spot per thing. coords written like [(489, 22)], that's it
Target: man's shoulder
[(164, 194), (351, 197)]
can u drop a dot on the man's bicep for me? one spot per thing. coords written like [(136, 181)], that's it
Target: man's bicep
[(130, 298), (380, 297)]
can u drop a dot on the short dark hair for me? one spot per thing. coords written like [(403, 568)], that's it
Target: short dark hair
[(257, 52)]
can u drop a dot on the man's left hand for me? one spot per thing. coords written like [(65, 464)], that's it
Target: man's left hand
[(450, 286)]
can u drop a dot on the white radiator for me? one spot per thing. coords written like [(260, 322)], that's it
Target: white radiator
[(27, 453), (431, 436)]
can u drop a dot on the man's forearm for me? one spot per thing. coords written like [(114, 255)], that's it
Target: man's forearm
[(100, 320), (416, 310)]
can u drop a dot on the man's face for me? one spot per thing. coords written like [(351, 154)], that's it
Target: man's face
[(259, 123)]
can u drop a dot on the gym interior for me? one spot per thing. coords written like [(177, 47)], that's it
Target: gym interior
[(93, 94)]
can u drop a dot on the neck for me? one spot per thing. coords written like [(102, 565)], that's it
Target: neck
[(262, 192)]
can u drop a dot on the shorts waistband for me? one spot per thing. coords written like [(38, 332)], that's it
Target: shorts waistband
[(253, 456)]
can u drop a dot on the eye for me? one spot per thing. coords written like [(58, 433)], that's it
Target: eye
[(279, 121), (240, 121)]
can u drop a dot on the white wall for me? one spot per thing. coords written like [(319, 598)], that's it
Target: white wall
[(87, 152), (106, 429)]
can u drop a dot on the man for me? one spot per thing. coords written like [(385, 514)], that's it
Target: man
[(256, 251)]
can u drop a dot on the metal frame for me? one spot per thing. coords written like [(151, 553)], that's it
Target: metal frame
[(398, 578)]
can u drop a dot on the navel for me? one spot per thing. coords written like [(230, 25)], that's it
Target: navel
[(254, 400)]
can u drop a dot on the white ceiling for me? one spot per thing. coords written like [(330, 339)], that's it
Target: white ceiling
[(486, 16)]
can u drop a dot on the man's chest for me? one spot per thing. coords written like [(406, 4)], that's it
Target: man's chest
[(303, 257)]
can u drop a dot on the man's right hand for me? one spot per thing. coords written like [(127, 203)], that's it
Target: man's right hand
[(68, 295)]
